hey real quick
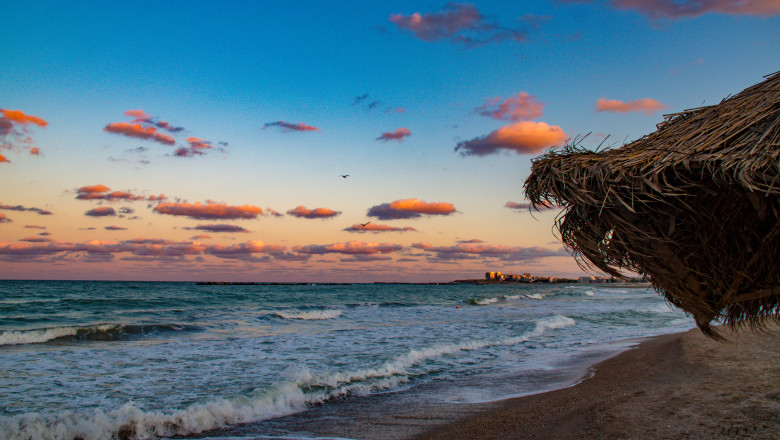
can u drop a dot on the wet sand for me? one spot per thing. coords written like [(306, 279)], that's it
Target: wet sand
[(670, 387)]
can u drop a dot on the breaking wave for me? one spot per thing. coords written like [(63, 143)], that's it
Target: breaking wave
[(312, 315), (293, 395), (101, 332)]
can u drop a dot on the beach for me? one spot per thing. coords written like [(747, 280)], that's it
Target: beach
[(674, 386)]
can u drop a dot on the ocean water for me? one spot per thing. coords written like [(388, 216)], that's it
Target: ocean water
[(100, 360)]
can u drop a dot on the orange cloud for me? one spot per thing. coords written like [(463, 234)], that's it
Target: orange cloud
[(101, 192), (524, 137), (92, 189), (373, 227), (287, 126), (19, 117), (522, 107), (3, 159), (678, 9), (209, 210), (458, 23), (646, 105), (195, 146), (4, 218), (303, 212), (349, 248), (409, 208), (219, 228), (396, 135), (243, 251), (139, 131)]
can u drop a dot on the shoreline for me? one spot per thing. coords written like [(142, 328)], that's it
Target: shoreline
[(681, 385)]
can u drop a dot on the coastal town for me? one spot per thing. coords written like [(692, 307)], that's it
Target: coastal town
[(498, 277)]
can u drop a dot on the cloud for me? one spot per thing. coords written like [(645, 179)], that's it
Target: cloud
[(142, 116), (409, 208), (219, 228), (101, 211), (208, 210), (139, 131), (101, 192), (303, 212), (524, 137), (675, 9), (19, 117), (365, 259), (22, 208), (529, 207), (115, 228), (522, 107), (195, 147), (4, 218), (349, 248), (34, 227), (373, 227), (646, 105), (35, 239), (243, 251), (286, 126), (458, 23), (201, 237), (14, 131), (469, 250), (396, 135)]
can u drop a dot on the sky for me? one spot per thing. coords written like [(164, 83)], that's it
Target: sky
[(346, 141)]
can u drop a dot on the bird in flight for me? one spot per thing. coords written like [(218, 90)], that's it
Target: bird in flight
[(364, 224), (345, 175)]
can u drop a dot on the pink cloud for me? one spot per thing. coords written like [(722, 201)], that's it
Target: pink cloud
[(397, 135), (409, 208), (209, 210), (468, 250), (524, 137), (101, 211), (678, 9), (349, 248), (139, 131), (303, 212), (458, 23), (243, 251), (287, 126), (373, 227), (522, 107), (646, 105)]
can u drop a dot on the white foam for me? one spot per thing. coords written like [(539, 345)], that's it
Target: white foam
[(313, 315), (484, 301), (47, 334), (535, 296), (293, 395)]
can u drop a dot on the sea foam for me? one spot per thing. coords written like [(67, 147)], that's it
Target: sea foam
[(312, 315), (293, 395)]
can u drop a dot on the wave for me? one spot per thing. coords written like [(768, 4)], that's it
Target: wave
[(100, 332), (483, 301), (312, 315), (301, 390)]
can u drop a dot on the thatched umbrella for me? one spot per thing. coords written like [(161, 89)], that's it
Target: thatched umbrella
[(694, 206)]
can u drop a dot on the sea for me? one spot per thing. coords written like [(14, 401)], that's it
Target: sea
[(98, 360)]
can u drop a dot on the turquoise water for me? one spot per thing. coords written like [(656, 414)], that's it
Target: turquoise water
[(99, 360)]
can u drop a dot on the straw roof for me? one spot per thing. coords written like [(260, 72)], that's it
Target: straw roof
[(694, 206)]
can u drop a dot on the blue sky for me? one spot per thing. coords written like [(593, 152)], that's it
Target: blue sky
[(352, 70)]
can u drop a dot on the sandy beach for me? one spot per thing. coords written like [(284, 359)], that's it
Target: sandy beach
[(670, 387)]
